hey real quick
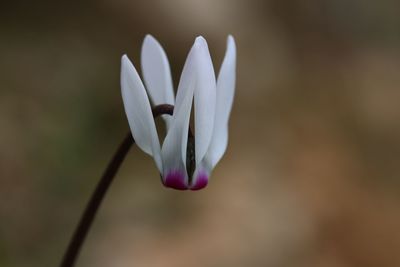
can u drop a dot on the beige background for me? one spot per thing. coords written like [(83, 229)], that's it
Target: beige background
[(311, 175)]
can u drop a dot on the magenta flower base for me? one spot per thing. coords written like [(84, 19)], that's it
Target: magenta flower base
[(201, 182), (176, 180)]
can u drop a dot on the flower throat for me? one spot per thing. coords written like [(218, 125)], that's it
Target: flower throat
[(190, 156)]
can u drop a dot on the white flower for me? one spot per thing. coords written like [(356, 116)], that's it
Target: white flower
[(212, 105)]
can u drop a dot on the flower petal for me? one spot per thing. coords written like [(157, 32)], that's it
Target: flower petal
[(157, 74), (204, 100), (219, 140), (225, 92), (175, 143), (138, 111)]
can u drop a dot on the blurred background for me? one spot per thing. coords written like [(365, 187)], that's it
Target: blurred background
[(311, 175)]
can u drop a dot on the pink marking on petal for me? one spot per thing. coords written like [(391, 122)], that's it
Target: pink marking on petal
[(176, 180), (201, 182)]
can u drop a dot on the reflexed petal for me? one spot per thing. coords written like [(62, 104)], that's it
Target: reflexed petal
[(219, 140), (175, 143), (157, 74), (204, 100), (225, 93), (138, 111)]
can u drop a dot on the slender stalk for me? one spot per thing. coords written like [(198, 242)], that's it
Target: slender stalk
[(97, 197)]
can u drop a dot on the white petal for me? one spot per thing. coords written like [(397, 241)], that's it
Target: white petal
[(204, 100), (157, 74), (138, 111), (225, 93), (175, 143)]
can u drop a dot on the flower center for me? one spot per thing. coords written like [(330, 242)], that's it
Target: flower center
[(190, 157)]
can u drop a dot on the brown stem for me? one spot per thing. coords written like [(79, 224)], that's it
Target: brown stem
[(102, 187)]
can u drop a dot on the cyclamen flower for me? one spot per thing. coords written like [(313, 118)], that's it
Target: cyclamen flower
[(212, 105)]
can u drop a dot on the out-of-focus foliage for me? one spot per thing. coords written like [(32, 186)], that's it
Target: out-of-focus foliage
[(311, 175)]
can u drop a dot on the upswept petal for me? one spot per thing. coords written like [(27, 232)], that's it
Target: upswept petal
[(225, 93), (224, 99), (175, 143), (157, 74), (138, 111), (204, 100)]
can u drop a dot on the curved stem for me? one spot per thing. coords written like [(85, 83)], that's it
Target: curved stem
[(102, 187)]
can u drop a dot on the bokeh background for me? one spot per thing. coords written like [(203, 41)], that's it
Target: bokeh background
[(311, 175)]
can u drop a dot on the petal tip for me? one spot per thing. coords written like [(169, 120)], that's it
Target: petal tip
[(124, 58), (126, 62), (200, 40), (149, 38), (230, 42)]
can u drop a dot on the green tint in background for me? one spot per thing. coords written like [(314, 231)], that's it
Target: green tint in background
[(311, 174)]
